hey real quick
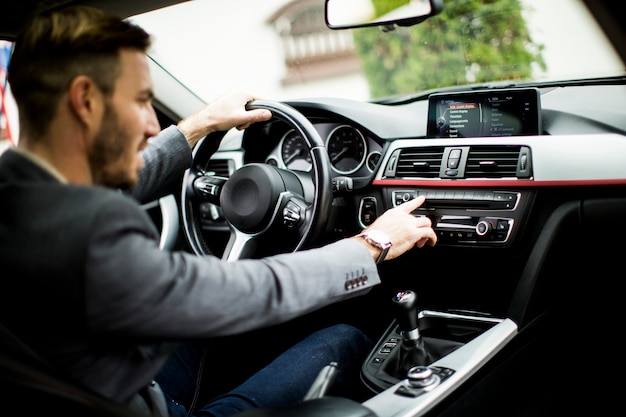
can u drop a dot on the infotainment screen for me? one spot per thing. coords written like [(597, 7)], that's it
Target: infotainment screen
[(510, 112)]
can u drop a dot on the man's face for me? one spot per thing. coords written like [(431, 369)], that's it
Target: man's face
[(127, 123)]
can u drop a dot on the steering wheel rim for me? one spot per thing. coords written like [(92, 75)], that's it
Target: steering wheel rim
[(301, 210)]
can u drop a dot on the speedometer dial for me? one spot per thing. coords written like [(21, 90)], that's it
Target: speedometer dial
[(346, 149), (294, 152)]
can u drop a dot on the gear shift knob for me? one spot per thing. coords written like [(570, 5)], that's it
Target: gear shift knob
[(405, 304)]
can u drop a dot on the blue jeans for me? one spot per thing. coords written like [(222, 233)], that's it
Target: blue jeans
[(284, 381)]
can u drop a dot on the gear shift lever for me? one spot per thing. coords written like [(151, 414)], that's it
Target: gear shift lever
[(415, 349), (405, 305), (412, 351)]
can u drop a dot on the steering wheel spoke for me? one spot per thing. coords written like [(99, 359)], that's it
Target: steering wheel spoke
[(240, 245)]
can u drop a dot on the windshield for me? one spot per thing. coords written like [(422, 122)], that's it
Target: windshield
[(281, 49)]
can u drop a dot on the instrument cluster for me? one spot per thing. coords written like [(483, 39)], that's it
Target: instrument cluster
[(351, 152)]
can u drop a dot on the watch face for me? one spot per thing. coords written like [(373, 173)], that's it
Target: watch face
[(379, 237)]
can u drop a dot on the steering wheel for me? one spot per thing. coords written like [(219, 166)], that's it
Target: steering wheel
[(269, 210)]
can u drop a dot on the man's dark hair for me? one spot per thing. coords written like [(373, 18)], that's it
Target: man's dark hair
[(60, 45)]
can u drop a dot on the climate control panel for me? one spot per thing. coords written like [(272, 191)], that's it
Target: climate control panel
[(470, 229), (460, 217)]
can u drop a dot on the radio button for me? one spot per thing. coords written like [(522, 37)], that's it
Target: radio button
[(502, 225), (483, 227), (504, 196)]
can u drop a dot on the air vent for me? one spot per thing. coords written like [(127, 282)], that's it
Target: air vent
[(220, 167), (494, 161), (419, 162)]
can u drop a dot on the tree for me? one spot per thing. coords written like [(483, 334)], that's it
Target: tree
[(470, 41)]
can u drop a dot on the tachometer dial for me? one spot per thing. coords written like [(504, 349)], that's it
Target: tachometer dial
[(346, 149), (294, 152)]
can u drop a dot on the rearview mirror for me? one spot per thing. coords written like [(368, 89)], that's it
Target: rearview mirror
[(344, 14)]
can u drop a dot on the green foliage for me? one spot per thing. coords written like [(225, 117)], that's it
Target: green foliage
[(470, 41), (382, 7)]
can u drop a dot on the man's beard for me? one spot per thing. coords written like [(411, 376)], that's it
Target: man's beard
[(108, 149)]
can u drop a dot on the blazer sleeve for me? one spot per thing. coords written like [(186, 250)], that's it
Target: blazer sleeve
[(166, 158), (134, 288)]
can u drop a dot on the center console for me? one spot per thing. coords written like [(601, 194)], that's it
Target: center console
[(441, 333), (460, 217), (478, 189), (424, 355), (404, 398)]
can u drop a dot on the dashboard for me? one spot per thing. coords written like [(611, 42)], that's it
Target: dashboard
[(355, 151), (358, 136), (479, 187), (508, 194)]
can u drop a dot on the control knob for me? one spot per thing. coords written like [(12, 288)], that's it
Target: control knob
[(484, 227), (421, 376)]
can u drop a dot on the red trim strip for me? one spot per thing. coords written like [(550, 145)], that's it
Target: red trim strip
[(499, 183)]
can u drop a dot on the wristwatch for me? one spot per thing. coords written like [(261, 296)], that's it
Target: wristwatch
[(378, 239)]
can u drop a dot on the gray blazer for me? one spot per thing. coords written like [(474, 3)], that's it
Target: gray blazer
[(166, 158), (85, 283)]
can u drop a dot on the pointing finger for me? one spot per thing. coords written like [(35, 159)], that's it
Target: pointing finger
[(413, 204)]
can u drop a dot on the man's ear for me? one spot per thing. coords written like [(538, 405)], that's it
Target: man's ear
[(86, 101)]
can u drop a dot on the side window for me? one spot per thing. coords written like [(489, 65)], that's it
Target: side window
[(8, 110)]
